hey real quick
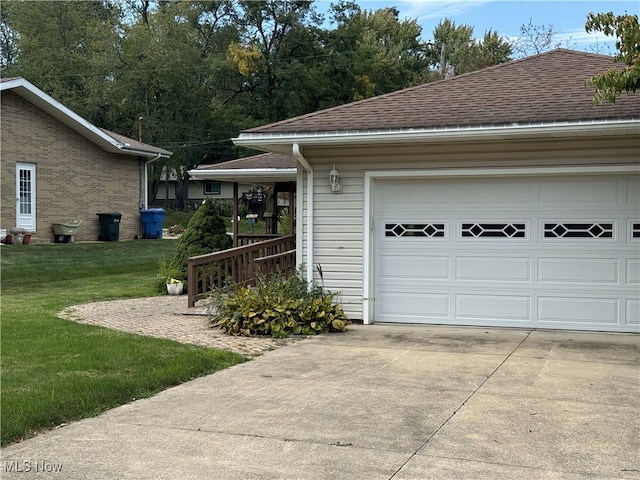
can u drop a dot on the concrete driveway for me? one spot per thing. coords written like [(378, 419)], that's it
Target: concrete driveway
[(377, 402)]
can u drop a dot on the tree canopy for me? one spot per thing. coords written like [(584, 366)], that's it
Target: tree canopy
[(625, 28), (461, 53), (189, 75)]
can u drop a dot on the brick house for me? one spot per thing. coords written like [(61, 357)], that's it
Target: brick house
[(57, 167)]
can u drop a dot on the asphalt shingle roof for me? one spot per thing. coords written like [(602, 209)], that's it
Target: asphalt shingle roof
[(135, 143), (545, 88), (264, 160)]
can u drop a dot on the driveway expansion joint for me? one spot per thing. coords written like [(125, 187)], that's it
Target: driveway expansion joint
[(441, 426)]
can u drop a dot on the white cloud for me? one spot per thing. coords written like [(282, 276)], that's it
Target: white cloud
[(437, 9), (596, 42)]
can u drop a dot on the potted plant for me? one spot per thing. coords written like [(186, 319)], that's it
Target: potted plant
[(174, 287), (17, 235), (170, 277)]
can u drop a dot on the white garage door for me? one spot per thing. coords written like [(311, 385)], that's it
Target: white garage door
[(547, 252)]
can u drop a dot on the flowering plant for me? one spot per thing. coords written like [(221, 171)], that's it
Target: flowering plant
[(176, 229)]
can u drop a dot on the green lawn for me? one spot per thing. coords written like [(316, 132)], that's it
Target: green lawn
[(55, 371), (175, 217)]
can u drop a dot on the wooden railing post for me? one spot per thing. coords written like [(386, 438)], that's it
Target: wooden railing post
[(192, 288)]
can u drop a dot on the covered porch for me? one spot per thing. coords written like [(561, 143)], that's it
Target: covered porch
[(252, 254)]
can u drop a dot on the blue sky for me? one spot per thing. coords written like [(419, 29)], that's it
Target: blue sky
[(506, 17)]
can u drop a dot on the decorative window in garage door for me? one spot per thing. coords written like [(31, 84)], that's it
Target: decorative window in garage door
[(494, 230), (635, 230), (430, 230), (578, 230)]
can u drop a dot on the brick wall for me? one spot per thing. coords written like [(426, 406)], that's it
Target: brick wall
[(75, 179)]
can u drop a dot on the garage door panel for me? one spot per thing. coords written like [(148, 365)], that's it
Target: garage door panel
[(633, 312), (562, 310), (403, 305), (581, 191), (393, 268), (567, 257), (633, 271), (579, 270), (518, 192), (633, 191), (409, 194), (485, 269), (508, 307)]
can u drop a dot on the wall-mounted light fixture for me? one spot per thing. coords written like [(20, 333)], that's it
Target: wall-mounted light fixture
[(334, 180)]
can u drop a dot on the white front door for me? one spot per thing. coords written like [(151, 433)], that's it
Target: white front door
[(26, 196), (545, 252)]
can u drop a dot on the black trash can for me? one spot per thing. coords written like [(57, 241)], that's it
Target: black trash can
[(152, 222), (109, 226)]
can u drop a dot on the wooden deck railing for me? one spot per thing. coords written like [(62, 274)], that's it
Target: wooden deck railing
[(249, 238), (239, 265), (284, 263)]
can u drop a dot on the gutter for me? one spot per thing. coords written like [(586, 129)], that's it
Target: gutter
[(465, 133), (297, 153), (245, 174)]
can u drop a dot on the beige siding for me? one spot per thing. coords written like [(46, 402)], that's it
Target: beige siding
[(338, 217), (75, 179)]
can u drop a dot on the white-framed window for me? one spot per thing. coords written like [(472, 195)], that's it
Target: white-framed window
[(472, 229), (211, 187), (426, 229), (578, 229)]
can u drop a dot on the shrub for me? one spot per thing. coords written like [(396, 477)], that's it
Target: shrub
[(277, 306), (243, 210), (205, 233), (283, 223), (225, 207)]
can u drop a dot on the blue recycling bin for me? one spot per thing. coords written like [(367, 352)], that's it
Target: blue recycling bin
[(152, 219)]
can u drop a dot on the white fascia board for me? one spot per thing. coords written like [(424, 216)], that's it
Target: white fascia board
[(275, 141), (48, 104), (126, 149), (250, 175)]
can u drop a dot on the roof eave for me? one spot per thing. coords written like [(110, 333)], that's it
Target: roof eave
[(247, 175), (143, 153), (279, 142), (68, 117)]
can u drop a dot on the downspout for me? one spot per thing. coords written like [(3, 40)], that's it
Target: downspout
[(146, 180), (297, 153)]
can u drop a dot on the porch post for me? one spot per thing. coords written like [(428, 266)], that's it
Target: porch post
[(292, 207), (234, 219), (274, 208)]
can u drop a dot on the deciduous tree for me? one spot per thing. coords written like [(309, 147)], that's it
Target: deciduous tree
[(534, 39), (613, 82), (373, 52), (68, 49)]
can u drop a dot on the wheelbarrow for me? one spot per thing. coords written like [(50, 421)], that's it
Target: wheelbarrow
[(64, 232)]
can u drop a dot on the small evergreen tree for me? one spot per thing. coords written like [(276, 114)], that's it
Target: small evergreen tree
[(205, 233)]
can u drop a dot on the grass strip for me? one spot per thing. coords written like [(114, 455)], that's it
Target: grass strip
[(55, 371)]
